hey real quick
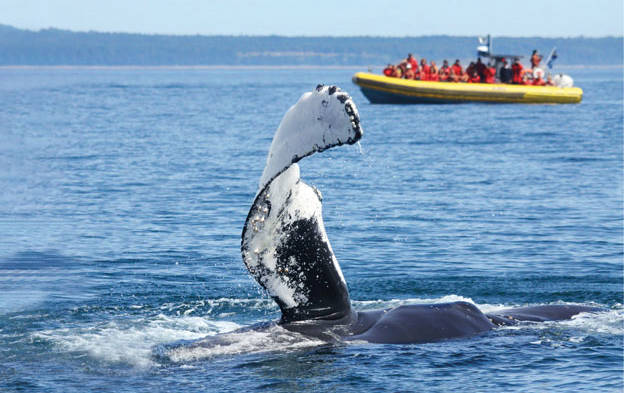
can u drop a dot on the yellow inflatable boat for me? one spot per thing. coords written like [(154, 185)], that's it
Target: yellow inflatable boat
[(380, 89)]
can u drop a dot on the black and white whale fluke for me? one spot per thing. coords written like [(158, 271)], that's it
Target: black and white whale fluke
[(286, 249)]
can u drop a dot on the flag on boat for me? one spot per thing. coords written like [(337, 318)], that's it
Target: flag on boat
[(551, 58)]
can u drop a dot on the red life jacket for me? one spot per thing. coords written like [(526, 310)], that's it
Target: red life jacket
[(445, 73), (516, 71), (458, 70), (475, 79), (424, 71), (388, 71), (481, 70), (490, 74), (434, 77)]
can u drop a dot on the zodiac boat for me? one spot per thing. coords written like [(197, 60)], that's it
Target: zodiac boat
[(380, 89)]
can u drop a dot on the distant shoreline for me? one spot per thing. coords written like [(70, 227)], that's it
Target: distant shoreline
[(241, 67)]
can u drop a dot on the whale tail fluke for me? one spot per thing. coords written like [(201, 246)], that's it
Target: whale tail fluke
[(284, 244)]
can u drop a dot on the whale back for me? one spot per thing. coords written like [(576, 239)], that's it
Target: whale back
[(286, 249)]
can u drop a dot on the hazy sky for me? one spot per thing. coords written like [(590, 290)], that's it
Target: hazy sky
[(551, 18)]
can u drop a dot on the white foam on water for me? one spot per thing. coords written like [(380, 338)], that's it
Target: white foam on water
[(131, 342), (610, 322), (364, 305), (273, 339)]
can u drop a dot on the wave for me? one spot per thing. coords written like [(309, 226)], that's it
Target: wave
[(131, 342)]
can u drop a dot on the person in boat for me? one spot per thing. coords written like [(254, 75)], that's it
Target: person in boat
[(445, 71), (409, 72), (527, 77), (505, 74), (424, 69), (433, 68), (480, 68), (434, 76), (469, 75), (535, 59), (516, 72), (412, 61), (397, 72), (389, 70), (458, 71), (489, 74), (538, 77), (473, 75)]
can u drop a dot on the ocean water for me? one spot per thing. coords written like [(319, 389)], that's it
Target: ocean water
[(123, 193)]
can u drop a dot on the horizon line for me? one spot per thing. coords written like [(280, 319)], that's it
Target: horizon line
[(249, 67), (52, 28)]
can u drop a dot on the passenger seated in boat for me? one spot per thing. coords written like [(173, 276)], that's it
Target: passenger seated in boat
[(471, 70), (516, 72), (389, 70), (490, 75), (412, 61), (434, 77), (409, 72), (424, 69), (458, 71), (397, 72), (445, 71), (527, 77), (505, 74), (433, 68), (535, 59), (480, 68), (538, 77), (549, 81), (473, 76)]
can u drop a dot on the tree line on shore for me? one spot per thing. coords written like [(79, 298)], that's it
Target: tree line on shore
[(62, 47)]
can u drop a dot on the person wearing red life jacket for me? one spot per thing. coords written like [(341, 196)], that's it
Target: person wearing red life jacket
[(538, 77), (434, 77), (473, 77), (389, 70), (412, 61), (490, 75), (424, 69), (417, 73), (445, 71), (433, 68), (457, 69), (409, 72), (516, 72)]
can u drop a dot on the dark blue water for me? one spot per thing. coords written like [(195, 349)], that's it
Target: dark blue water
[(123, 194)]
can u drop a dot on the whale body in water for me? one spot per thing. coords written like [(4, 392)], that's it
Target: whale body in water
[(286, 249)]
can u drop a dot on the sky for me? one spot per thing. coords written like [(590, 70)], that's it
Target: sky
[(517, 18)]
